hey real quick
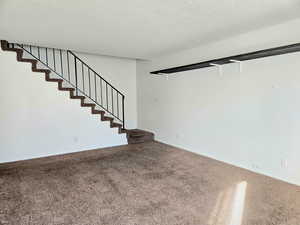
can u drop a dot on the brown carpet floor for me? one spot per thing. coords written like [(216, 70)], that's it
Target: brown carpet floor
[(143, 184)]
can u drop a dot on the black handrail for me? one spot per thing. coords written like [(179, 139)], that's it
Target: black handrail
[(65, 72), (95, 72)]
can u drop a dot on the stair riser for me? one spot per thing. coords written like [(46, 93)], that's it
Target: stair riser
[(138, 136)]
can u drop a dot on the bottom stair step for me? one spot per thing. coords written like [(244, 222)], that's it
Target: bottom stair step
[(139, 136)]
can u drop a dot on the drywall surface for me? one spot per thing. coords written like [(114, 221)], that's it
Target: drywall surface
[(38, 120), (249, 119)]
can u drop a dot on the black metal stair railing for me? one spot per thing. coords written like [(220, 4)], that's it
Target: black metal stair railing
[(77, 74)]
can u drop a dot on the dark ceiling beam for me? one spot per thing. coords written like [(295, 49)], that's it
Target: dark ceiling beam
[(231, 59)]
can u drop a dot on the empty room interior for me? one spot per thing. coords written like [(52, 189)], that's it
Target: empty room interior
[(173, 112)]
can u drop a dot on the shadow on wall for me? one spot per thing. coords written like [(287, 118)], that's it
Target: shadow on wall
[(229, 206)]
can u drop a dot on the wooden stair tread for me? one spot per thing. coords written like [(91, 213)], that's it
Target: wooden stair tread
[(40, 70), (28, 60), (107, 118), (78, 97), (66, 89), (54, 80), (88, 105), (95, 111)]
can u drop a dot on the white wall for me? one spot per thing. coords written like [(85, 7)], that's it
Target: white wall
[(250, 120), (38, 120)]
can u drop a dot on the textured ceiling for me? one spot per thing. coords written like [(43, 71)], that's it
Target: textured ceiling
[(136, 28)]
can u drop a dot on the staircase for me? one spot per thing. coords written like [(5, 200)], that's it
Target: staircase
[(82, 82)]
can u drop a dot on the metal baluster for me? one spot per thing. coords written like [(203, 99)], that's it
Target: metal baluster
[(30, 48), (82, 74), (118, 104), (39, 54), (106, 97), (68, 66), (112, 100), (47, 56), (61, 64), (89, 82), (101, 89), (95, 86), (76, 76), (54, 59), (123, 99)]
